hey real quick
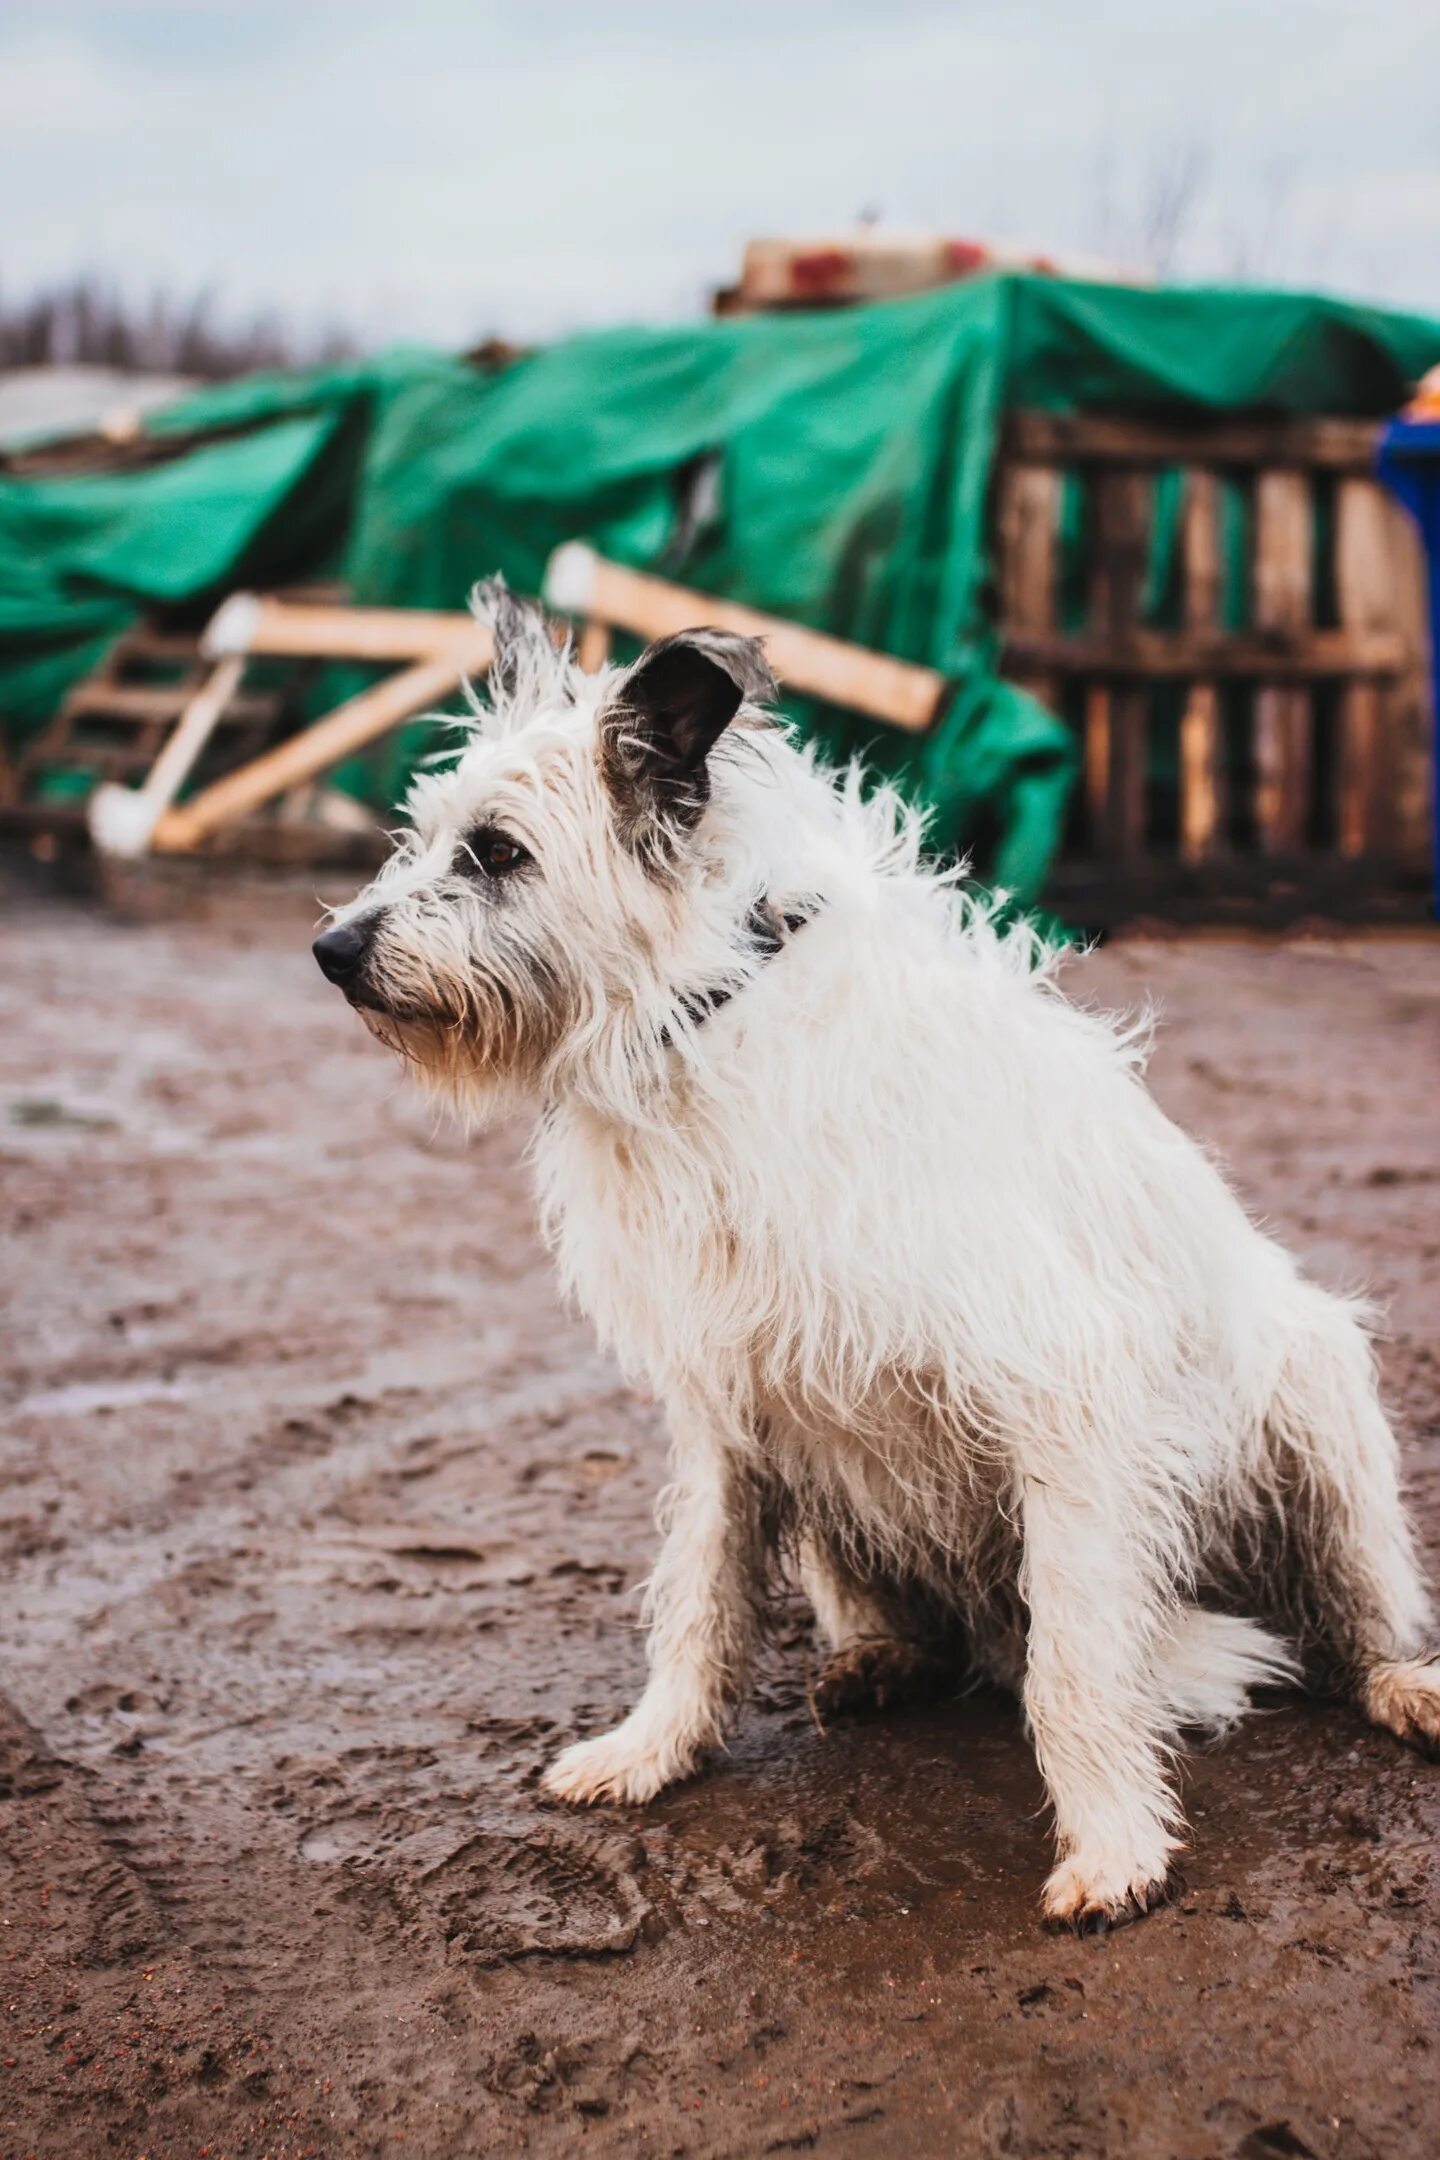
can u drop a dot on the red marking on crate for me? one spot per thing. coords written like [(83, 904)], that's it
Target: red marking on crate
[(964, 256), (822, 270)]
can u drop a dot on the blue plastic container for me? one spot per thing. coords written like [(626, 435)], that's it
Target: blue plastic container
[(1410, 468)]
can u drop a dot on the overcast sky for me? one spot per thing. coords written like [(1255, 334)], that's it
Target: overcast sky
[(445, 168)]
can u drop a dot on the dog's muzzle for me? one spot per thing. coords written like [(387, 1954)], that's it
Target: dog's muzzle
[(342, 953)]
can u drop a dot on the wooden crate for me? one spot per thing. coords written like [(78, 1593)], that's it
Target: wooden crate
[(1273, 765)]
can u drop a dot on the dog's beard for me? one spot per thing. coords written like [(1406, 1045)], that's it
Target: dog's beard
[(474, 1040)]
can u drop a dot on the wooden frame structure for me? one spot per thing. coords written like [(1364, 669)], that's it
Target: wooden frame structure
[(437, 652), (1298, 753), (434, 653)]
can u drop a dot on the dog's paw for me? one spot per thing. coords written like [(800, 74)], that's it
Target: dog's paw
[(874, 1676), (619, 1766), (1089, 1897), (1405, 1697)]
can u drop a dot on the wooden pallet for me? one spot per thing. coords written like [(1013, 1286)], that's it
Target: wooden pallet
[(1302, 737)]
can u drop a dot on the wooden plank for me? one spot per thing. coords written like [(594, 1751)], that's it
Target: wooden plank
[(1028, 532), (594, 648), (309, 845), (1202, 763), (1117, 714), (1309, 656), (161, 703), (123, 820), (149, 644), (1365, 593), (582, 583), (1409, 703), (1239, 889), (1327, 444), (257, 841), (282, 630), (1283, 716), (340, 734)]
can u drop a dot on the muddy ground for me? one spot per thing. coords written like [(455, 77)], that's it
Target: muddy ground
[(320, 1527)]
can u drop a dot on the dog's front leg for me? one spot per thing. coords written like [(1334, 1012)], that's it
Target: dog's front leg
[(702, 1609), (1093, 1707)]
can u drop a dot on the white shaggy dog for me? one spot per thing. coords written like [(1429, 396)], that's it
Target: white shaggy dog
[(936, 1298)]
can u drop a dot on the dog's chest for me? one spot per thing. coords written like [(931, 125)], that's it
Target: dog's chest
[(896, 1475), (647, 1237)]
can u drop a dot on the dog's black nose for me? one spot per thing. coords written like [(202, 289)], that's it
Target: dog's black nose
[(341, 951)]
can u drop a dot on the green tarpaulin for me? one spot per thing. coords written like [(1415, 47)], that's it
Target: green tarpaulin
[(830, 467)]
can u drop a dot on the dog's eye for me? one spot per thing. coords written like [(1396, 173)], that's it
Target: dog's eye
[(494, 854)]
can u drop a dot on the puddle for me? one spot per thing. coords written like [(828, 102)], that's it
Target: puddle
[(44, 1113), (85, 1395)]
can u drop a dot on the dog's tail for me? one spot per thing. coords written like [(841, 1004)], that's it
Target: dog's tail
[(1208, 1663)]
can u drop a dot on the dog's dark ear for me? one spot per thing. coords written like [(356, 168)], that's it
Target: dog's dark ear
[(665, 718), (526, 663)]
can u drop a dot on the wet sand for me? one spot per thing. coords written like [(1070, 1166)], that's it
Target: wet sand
[(320, 1526)]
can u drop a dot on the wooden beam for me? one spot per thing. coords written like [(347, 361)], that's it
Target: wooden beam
[(1409, 716), (593, 650), (581, 583), (339, 735), (1364, 590), (1028, 535), (1329, 444), (1174, 656), (1117, 714), (1283, 715), (285, 630), (1202, 760), (122, 820), (162, 703), (1240, 889)]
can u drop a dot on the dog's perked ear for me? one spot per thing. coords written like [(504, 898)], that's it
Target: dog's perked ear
[(526, 664), (665, 718)]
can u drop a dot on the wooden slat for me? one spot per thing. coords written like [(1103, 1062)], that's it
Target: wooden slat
[(1116, 716), (50, 829), (281, 630), (212, 701), (1365, 592), (123, 820), (1330, 445), (1239, 888), (1409, 701), (1310, 656), (161, 703), (267, 841), (1202, 767), (1385, 752), (1028, 532), (173, 648), (113, 761), (582, 583), (593, 650), (1283, 716), (348, 729)]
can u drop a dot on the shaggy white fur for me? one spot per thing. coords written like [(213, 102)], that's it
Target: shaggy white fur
[(934, 1294)]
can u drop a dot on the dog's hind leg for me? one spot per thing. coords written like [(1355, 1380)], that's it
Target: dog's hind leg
[(1095, 1707), (702, 1610), (1332, 1461), (874, 1662)]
